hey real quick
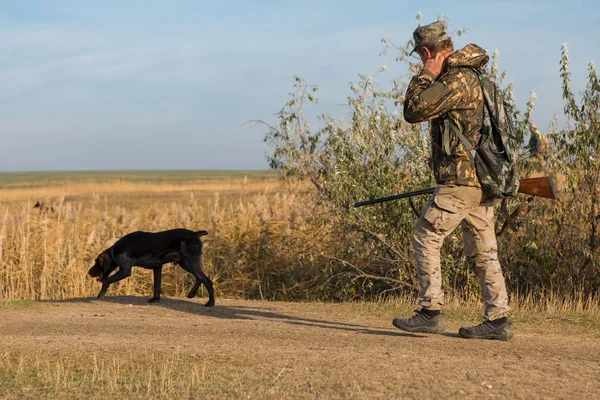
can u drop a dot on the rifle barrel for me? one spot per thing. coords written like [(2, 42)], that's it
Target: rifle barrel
[(394, 197)]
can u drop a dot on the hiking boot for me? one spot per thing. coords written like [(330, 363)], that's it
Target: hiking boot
[(421, 322), (488, 330)]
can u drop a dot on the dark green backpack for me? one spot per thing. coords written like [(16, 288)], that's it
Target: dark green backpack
[(495, 160)]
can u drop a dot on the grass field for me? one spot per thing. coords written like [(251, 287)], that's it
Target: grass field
[(127, 187), (57, 178), (58, 341), (46, 251)]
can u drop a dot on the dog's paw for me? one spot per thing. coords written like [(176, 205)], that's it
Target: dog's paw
[(154, 300), (210, 303)]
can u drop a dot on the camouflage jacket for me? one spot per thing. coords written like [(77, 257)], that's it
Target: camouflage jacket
[(455, 97)]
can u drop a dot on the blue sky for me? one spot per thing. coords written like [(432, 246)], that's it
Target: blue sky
[(134, 84)]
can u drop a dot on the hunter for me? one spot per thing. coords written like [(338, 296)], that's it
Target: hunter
[(447, 93), (538, 145)]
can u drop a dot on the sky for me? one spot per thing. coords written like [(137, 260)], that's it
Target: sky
[(153, 84)]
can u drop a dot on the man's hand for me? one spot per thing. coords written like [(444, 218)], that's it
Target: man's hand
[(435, 64)]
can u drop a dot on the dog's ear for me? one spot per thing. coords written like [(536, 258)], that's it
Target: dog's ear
[(105, 260), (201, 233)]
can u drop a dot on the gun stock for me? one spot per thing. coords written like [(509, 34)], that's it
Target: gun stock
[(540, 187)]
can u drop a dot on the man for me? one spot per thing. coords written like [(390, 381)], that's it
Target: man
[(447, 92), (537, 147)]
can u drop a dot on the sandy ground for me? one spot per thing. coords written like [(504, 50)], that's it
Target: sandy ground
[(248, 349)]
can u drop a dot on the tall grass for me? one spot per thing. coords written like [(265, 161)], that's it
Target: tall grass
[(265, 241), (45, 254)]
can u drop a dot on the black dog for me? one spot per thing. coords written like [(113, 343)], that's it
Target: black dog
[(151, 251)]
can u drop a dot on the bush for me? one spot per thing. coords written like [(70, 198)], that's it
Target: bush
[(373, 153)]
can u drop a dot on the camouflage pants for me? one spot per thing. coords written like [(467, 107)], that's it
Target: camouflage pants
[(447, 208)]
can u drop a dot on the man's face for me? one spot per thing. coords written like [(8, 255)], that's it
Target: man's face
[(532, 128)]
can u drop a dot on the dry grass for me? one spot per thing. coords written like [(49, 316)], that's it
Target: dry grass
[(46, 254), (96, 191), (259, 233)]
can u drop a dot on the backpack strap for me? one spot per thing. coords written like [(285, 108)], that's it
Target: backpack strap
[(465, 142), (448, 124), (488, 101), (486, 96)]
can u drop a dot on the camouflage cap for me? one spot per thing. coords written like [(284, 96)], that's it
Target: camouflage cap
[(429, 34)]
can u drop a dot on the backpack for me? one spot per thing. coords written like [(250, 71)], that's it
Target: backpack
[(494, 159)]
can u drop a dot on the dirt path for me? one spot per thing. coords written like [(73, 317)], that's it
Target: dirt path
[(244, 349)]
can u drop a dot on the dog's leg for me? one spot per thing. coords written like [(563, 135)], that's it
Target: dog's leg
[(211, 293), (124, 272), (103, 290), (202, 278), (157, 285), (193, 266)]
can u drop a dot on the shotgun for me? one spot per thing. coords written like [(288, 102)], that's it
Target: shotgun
[(540, 187)]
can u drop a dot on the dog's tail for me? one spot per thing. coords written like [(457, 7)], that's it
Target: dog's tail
[(201, 233)]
